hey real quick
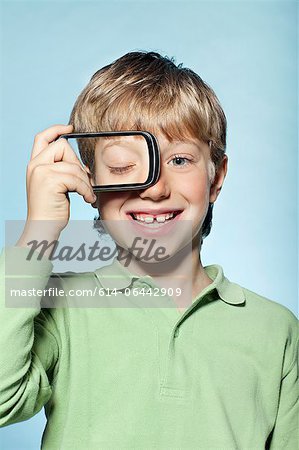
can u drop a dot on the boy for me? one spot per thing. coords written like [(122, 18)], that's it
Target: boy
[(219, 374)]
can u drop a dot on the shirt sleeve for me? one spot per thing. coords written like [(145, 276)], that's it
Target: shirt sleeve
[(286, 430), (28, 346)]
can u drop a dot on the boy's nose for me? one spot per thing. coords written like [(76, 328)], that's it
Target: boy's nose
[(158, 191)]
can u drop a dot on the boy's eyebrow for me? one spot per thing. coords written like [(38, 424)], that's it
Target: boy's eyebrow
[(106, 145), (108, 141), (199, 144), (133, 149), (109, 144)]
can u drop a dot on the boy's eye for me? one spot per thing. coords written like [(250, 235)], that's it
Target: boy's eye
[(120, 170), (180, 161)]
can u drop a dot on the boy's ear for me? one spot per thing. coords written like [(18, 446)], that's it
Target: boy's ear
[(95, 204), (89, 174), (87, 169), (219, 179)]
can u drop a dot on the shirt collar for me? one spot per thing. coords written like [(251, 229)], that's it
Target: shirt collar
[(117, 276), (229, 292)]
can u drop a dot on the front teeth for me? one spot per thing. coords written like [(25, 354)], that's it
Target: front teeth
[(150, 219)]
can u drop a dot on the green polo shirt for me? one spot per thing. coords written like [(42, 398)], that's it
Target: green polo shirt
[(222, 375)]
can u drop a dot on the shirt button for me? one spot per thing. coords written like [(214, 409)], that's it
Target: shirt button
[(176, 332)]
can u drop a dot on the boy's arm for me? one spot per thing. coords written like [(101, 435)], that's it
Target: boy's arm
[(27, 353), (28, 347), (286, 430)]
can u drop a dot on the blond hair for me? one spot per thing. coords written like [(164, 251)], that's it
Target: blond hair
[(146, 91)]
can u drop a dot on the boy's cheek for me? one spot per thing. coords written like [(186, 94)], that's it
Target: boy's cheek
[(111, 203)]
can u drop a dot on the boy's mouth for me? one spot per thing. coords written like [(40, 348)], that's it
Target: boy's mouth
[(148, 218)]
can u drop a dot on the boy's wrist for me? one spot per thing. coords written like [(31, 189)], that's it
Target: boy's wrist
[(24, 275), (39, 235), (21, 261)]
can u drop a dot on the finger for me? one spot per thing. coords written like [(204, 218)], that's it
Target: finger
[(59, 150), (72, 168), (44, 171), (45, 137), (73, 183), (57, 174)]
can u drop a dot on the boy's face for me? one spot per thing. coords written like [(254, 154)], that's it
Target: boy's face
[(183, 189)]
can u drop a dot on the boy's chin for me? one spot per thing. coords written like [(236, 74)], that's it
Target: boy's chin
[(153, 252), (167, 270), (150, 247)]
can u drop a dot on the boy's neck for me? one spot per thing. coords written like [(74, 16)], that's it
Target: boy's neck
[(184, 271)]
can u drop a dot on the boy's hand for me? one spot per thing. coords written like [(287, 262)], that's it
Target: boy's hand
[(53, 171)]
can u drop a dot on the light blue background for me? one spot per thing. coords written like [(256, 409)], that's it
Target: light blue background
[(245, 50)]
